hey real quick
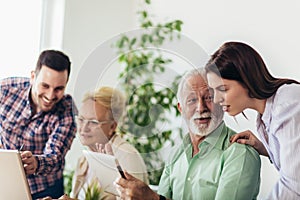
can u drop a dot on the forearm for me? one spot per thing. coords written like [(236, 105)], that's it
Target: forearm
[(48, 164), (59, 142), (52, 160)]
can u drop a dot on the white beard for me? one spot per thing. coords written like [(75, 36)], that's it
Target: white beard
[(205, 129)]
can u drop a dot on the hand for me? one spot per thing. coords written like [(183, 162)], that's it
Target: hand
[(29, 162), (107, 149), (46, 198), (133, 188), (247, 137), (64, 197)]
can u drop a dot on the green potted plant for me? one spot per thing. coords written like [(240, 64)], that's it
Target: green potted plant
[(94, 191), (148, 104)]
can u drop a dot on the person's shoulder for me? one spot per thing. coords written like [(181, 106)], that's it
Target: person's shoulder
[(15, 82), (122, 145), (288, 90), (68, 99), (242, 149), (174, 153), (286, 100), (228, 130), (67, 103), (225, 135)]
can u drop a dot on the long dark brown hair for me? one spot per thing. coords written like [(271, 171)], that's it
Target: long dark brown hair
[(238, 61)]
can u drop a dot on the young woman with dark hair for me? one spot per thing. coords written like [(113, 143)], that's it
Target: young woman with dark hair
[(241, 80)]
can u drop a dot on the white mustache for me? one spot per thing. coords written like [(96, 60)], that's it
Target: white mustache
[(203, 115)]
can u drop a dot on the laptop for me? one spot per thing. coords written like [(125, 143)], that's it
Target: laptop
[(13, 182)]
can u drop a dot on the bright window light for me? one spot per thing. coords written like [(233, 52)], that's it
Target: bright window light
[(20, 23)]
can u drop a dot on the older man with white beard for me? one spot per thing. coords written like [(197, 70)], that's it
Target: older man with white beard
[(205, 166)]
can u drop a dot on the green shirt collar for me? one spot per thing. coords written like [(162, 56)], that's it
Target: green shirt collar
[(216, 138), (213, 140)]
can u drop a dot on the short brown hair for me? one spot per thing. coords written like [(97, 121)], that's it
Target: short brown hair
[(55, 60)]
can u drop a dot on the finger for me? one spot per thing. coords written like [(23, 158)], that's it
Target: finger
[(30, 165), (46, 198), (29, 169), (108, 149), (100, 148), (122, 192), (98, 145), (234, 138), (237, 136), (128, 192), (123, 195), (121, 182), (26, 154), (94, 148), (65, 196), (118, 187), (245, 141), (129, 176), (27, 161)]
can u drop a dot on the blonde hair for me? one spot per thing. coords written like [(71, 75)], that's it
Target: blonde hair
[(112, 99)]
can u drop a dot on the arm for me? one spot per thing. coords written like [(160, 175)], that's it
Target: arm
[(56, 148), (285, 131), (49, 161), (240, 176), (59, 141), (164, 187)]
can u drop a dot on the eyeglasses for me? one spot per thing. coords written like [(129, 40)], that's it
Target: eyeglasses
[(92, 123)]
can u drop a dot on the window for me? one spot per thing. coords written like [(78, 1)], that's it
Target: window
[(20, 23)]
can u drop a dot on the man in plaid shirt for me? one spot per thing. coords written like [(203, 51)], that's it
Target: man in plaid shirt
[(36, 114)]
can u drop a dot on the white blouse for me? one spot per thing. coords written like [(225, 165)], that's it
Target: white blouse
[(279, 131)]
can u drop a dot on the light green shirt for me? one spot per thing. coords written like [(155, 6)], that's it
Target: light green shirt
[(219, 171)]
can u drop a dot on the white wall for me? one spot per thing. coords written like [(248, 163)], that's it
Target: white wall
[(269, 26), (91, 22), (88, 24)]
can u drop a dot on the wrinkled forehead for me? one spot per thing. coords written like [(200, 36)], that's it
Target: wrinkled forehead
[(196, 84)]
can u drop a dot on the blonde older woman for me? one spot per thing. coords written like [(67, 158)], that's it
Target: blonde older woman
[(97, 123)]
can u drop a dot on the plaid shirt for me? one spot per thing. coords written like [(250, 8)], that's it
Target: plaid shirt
[(48, 135)]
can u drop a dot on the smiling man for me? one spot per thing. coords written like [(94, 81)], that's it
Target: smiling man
[(36, 114), (205, 166)]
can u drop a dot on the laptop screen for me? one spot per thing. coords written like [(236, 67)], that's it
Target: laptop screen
[(13, 182)]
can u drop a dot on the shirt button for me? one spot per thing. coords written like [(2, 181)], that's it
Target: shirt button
[(189, 179)]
